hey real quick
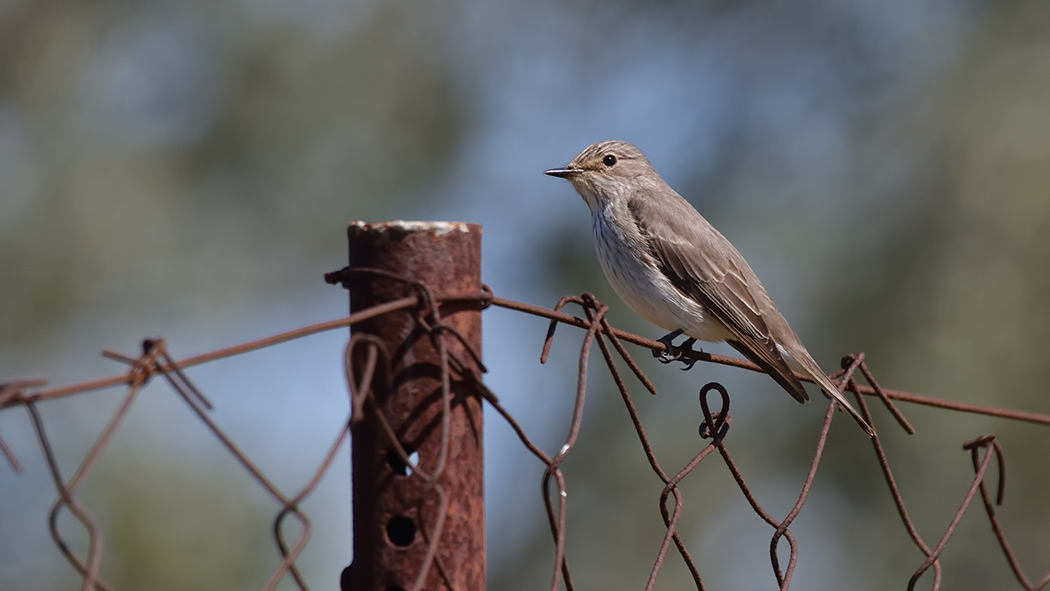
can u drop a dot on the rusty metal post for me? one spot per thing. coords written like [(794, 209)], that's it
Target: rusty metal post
[(395, 510)]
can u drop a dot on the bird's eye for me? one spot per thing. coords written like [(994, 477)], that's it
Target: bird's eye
[(609, 160)]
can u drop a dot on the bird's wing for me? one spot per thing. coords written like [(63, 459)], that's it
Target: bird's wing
[(707, 268)]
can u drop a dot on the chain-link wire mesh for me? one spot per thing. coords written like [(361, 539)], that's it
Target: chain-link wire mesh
[(368, 370)]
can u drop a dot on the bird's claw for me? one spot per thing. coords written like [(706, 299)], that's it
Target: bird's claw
[(685, 352), (672, 353), (668, 354)]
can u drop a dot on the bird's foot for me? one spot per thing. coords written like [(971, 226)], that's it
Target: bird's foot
[(668, 354), (671, 353), (686, 355)]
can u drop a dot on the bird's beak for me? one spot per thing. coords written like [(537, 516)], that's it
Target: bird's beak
[(565, 173)]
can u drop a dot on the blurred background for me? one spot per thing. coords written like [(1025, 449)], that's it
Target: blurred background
[(187, 169)]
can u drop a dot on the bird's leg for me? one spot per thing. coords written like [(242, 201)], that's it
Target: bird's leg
[(682, 352), (672, 353), (669, 354)]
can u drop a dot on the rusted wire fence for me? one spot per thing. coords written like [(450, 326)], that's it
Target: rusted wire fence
[(368, 371)]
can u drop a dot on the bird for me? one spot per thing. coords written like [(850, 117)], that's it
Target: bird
[(673, 268)]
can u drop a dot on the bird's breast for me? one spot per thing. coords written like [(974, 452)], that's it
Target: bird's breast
[(636, 278)]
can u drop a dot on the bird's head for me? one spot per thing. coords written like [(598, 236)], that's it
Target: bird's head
[(606, 172)]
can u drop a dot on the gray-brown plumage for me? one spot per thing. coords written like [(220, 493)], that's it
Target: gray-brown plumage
[(676, 270)]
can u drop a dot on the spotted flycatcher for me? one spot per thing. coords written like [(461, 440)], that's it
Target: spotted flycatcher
[(677, 271)]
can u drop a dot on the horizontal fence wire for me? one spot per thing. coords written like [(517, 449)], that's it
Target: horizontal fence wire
[(155, 360)]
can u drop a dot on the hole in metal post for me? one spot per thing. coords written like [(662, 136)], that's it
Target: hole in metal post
[(401, 531), (397, 464)]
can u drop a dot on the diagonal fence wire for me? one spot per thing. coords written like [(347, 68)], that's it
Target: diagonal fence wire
[(374, 376)]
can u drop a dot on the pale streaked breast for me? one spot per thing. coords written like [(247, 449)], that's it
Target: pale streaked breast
[(643, 288)]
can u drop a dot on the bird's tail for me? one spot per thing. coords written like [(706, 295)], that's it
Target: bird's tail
[(829, 386)]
